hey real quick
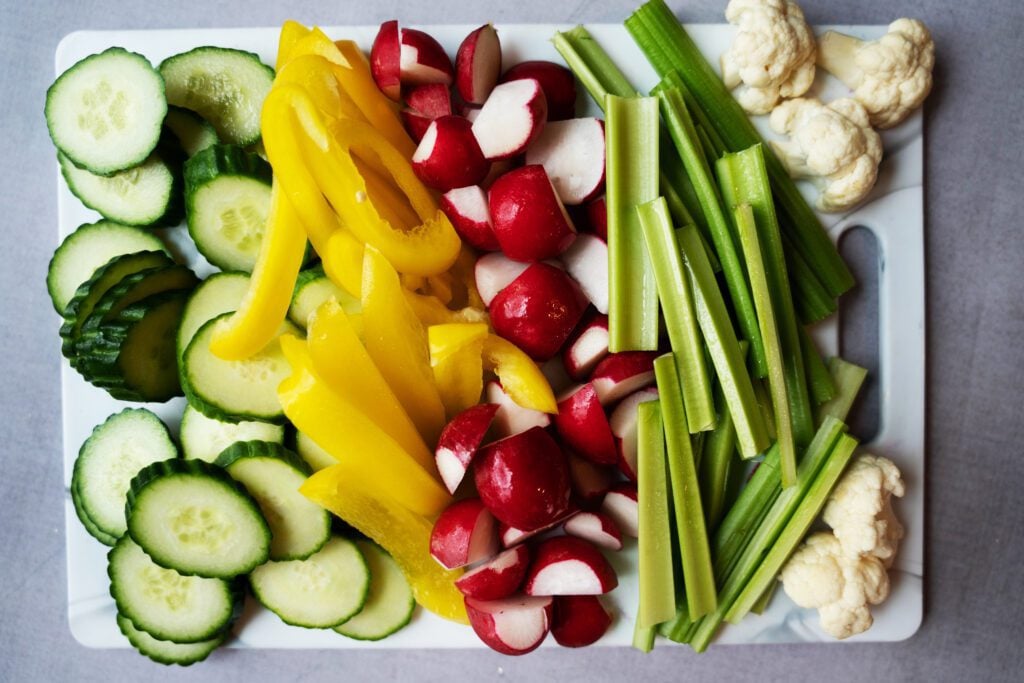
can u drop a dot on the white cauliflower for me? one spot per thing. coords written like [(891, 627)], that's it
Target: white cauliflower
[(860, 509), (890, 76), (772, 55), (832, 144)]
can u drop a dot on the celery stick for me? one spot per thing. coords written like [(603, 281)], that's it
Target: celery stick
[(680, 317), (766, 598), (668, 47), (643, 637), (705, 144), (718, 456), (723, 347), (632, 179), (657, 588), (691, 529), (680, 127), (743, 180), (674, 80), (769, 334), (848, 379), (818, 378), (764, 402), (813, 302)]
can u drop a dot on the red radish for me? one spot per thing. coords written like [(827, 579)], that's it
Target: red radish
[(512, 418), (586, 259), (587, 347), (524, 479), (530, 222), (463, 534), (579, 620), (620, 374), (565, 565), (597, 217), (538, 310), (431, 99), (623, 424), (423, 60), (596, 527), (497, 578), (466, 208), (493, 273), (478, 64), (590, 481), (621, 505), (459, 442), (511, 536), (513, 626), (558, 83), (448, 156), (583, 426), (416, 124), (385, 60), (511, 118), (572, 153)]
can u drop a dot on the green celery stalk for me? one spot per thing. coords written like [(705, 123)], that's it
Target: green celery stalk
[(643, 638), (698, 576), (669, 48), (680, 127), (718, 457), (657, 587), (766, 598), (812, 300), (769, 334), (744, 180), (632, 179), (705, 144), (818, 377), (848, 379), (673, 80), (723, 346), (764, 402), (680, 317)]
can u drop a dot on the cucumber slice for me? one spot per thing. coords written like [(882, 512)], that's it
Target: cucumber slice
[(190, 516), (166, 604), (224, 86), (194, 133), (136, 287), (80, 308), (203, 438), (227, 198), (146, 195), (313, 288), (235, 390), (90, 526), (272, 475), (89, 247), (389, 604), (105, 112), (166, 651), (218, 294), (310, 451), (322, 591), (108, 460)]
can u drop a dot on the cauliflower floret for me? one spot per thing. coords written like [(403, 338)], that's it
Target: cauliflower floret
[(890, 76), (833, 144), (860, 509), (772, 55), (821, 575)]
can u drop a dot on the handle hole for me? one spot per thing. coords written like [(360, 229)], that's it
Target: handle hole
[(858, 326)]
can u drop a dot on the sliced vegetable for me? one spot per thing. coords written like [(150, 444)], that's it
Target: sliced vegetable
[(203, 438), (218, 294), (657, 593), (389, 604), (166, 651)]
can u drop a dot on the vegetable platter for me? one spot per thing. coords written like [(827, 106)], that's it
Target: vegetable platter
[(893, 213)]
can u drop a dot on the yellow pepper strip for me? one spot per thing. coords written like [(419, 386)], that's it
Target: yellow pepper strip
[(352, 493), (456, 357), (441, 286), (265, 305), (519, 375), (343, 255), (313, 74), (392, 205), (345, 366), (397, 343), (431, 311), (312, 42), (342, 429), (291, 32)]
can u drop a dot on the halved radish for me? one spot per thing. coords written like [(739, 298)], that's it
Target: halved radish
[(497, 578), (621, 505), (430, 99), (385, 60), (565, 565), (572, 153), (416, 124), (620, 374), (463, 534), (448, 155), (513, 626), (623, 424), (583, 425), (512, 418), (459, 441), (597, 217), (466, 208), (511, 118), (494, 272), (590, 481), (511, 536), (587, 346), (579, 620), (558, 83), (530, 222), (478, 64), (423, 60), (596, 527), (586, 259)]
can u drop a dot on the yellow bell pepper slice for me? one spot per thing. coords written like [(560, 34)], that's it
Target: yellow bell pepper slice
[(345, 366), (519, 375), (342, 429), (431, 311), (456, 357), (352, 493), (291, 32), (447, 339), (397, 343), (265, 305), (314, 75), (313, 42)]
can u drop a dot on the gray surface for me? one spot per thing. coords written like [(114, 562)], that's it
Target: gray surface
[(976, 362)]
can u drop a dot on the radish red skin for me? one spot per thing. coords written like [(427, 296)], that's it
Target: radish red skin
[(486, 618), (596, 527), (557, 82), (583, 426), (431, 99), (431, 63), (587, 346), (464, 533), (385, 60), (524, 479), (590, 481), (450, 156), (579, 620), (477, 230), (621, 374), (498, 578), (597, 217), (478, 64), (459, 441), (565, 551), (529, 220)]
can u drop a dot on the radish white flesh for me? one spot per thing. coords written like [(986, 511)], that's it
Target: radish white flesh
[(620, 374), (459, 441), (596, 527), (586, 348), (478, 64), (466, 208), (565, 565), (511, 118), (586, 259), (494, 272), (621, 505), (511, 535), (497, 578), (558, 83), (572, 152), (623, 424), (423, 60), (513, 626), (511, 417)]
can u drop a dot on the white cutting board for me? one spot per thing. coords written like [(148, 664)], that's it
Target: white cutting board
[(894, 214)]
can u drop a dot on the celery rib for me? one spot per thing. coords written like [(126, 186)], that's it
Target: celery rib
[(819, 380), (657, 591), (717, 460), (848, 379)]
